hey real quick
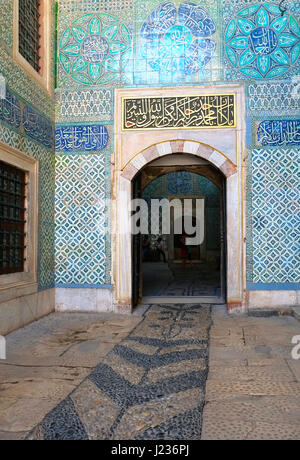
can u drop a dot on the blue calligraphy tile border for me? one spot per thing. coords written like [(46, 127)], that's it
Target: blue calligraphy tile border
[(257, 122), (108, 125), (252, 123), (23, 125), (102, 137)]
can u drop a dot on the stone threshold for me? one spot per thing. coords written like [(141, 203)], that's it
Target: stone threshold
[(182, 300)]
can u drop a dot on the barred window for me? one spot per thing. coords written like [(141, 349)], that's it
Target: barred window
[(29, 28), (12, 219)]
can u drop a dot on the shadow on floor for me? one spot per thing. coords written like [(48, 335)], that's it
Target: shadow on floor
[(171, 280)]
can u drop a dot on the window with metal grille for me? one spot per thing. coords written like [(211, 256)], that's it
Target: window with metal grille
[(12, 219), (29, 36)]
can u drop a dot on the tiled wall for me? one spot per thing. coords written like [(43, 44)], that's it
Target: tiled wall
[(27, 124), (82, 221), (105, 44), (274, 217)]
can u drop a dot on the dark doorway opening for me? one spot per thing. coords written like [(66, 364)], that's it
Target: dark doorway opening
[(188, 273)]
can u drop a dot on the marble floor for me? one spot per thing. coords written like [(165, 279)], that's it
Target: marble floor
[(171, 280), (173, 372)]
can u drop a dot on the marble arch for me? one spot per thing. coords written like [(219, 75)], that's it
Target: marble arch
[(135, 150)]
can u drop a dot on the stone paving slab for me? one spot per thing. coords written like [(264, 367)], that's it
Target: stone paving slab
[(218, 389), (48, 359), (269, 409), (249, 374), (253, 385)]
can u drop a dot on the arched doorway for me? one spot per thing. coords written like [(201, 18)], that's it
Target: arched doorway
[(170, 265), (122, 230), (223, 146)]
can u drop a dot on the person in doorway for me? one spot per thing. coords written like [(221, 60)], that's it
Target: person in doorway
[(146, 247), (189, 255), (160, 250), (183, 251)]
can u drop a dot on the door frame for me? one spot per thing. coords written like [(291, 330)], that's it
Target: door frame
[(223, 148), (223, 274)]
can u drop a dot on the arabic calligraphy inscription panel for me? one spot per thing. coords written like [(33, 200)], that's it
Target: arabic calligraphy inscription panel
[(206, 111)]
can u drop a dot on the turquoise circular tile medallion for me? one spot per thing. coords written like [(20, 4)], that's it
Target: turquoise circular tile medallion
[(95, 49), (261, 43)]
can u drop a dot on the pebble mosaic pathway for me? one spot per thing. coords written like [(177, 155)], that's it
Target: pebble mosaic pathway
[(150, 386)]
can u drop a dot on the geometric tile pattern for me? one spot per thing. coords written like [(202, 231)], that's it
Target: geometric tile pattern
[(151, 386), (81, 220), (6, 22), (46, 270), (273, 98), (275, 218), (85, 105), (70, 6)]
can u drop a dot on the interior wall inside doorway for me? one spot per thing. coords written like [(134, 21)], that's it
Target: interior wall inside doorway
[(168, 273), (181, 184)]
